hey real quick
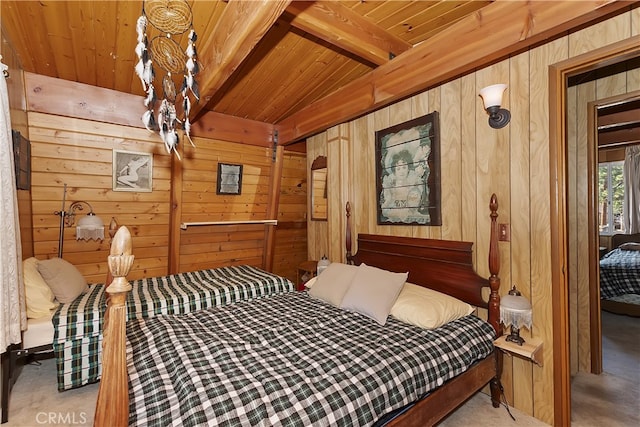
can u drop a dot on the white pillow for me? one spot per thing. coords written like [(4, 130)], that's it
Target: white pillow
[(309, 283), (333, 282), (373, 292), (427, 308), (38, 295), (64, 279)]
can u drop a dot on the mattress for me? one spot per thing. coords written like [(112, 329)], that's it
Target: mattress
[(39, 332), (77, 341), (289, 360)]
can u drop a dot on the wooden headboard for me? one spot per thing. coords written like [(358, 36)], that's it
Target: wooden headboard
[(618, 239), (443, 265)]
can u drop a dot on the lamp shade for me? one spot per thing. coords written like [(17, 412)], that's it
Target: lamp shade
[(515, 310), (492, 95), (89, 227)]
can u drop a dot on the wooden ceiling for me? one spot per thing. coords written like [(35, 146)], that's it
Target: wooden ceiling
[(302, 52), (269, 60), (619, 124)]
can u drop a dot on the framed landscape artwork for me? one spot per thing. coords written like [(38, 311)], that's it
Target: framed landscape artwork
[(408, 172)]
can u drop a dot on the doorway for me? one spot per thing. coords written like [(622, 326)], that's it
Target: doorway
[(558, 78)]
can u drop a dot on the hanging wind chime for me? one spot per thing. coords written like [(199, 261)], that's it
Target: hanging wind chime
[(171, 18)]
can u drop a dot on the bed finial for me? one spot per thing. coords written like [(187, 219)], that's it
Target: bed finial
[(348, 234), (112, 407)]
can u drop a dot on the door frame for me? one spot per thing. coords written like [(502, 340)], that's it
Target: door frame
[(558, 76)]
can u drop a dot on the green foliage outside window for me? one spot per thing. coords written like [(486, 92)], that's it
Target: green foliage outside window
[(611, 197)]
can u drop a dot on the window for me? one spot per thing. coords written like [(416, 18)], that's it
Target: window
[(611, 197)]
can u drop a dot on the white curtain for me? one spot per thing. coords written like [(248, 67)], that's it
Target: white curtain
[(632, 189), (12, 313)]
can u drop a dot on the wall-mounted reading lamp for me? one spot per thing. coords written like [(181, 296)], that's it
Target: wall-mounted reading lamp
[(88, 227), (492, 97)]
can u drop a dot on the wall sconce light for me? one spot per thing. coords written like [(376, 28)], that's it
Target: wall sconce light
[(492, 97), (515, 311), (88, 227)]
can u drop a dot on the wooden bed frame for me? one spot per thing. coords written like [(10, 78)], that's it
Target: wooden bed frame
[(446, 266)]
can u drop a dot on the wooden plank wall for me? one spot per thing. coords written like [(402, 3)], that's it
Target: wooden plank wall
[(577, 156), (291, 232), (476, 161), (217, 245), (78, 151)]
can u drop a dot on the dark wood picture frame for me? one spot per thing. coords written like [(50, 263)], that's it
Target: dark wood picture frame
[(229, 179), (408, 172), (22, 160)]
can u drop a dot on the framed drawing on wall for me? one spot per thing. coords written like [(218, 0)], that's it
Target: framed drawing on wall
[(408, 172), (229, 179), (132, 171)]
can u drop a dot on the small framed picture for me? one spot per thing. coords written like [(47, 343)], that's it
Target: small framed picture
[(132, 171), (229, 179)]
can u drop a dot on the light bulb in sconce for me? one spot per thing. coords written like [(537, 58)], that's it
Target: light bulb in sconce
[(492, 98)]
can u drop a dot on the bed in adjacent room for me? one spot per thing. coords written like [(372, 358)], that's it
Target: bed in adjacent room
[(389, 338), (620, 275)]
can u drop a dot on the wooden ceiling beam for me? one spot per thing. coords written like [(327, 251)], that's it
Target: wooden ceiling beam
[(240, 28), (619, 118), (346, 29), (492, 33), (622, 136)]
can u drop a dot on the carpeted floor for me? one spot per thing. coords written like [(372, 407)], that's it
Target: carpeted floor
[(611, 399)]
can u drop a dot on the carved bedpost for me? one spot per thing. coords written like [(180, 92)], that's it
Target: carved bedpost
[(113, 227), (494, 298), (494, 268), (112, 407), (348, 234)]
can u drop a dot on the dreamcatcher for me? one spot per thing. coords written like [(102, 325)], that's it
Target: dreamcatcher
[(170, 18)]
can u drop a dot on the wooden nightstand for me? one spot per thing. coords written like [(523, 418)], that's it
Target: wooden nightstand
[(531, 349), (309, 268)]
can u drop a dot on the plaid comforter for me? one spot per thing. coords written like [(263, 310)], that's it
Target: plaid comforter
[(289, 360), (77, 340), (619, 273)]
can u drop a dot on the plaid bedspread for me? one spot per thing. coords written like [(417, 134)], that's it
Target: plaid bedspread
[(78, 325), (288, 360), (619, 273)]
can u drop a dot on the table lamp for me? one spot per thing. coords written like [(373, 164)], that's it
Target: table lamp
[(515, 311)]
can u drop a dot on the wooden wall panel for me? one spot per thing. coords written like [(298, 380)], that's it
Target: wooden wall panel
[(291, 233), (79, 153), (68, 148), (231, 244), (317, 231), (539, 195), (519, 255), (512, 162)]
